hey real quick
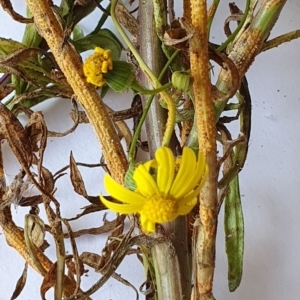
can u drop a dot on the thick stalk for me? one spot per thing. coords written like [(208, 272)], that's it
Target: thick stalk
[(249, 45), (171, 260), (205, 119), (71, 65)]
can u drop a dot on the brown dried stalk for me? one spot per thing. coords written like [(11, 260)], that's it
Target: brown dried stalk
[(204, 110), (71, 65)]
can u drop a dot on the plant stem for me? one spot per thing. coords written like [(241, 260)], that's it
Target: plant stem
[(71, 65), (170, 258), (153, 78), (249, 45), (204, 111)]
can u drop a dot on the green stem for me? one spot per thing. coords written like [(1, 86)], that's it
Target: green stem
[(233, 35), (287, 37), (146, 109), (101, 21), (155, 82), (248, 45), (140, 89), (210, 19)]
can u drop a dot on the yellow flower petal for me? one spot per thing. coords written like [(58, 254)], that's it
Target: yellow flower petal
[(165, 169), (185, 209), (144, 181), (146, 224), (150, 164), (121, 193), (186, 169), (192, 195), (194, 178), (120, 208)]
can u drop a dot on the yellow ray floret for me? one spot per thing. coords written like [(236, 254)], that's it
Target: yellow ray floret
[(164, 194), (96, 65)]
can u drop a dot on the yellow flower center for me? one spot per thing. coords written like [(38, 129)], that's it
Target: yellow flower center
[(95, 65), (160, 208)]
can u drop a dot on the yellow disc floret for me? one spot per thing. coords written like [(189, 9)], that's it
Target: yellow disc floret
[(96, 65), (160, 208)]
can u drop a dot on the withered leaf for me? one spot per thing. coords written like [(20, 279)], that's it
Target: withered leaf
[(90, 259), (20, 284), (34, 239), (36, 229), (30, 201), (12, 130), (106, 227), (48, 281), (76, 178), (176, 37), (89, 209), (6, 5), (93, 260), (72, 268), (5, 90), (48, 180)]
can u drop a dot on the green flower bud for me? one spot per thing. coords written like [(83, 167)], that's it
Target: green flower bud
[(181, 81)]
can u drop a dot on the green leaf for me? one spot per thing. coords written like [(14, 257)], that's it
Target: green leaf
[(104, 39), (77, 33), (121, 77), (8, 46), (234, 234), (65, 7), (31, 37)]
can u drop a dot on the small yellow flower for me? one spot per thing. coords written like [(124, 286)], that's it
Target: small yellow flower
[(161, 197), (96, 64)]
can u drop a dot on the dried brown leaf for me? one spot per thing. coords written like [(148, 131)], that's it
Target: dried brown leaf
[(48, 281), (89, 209), (17, 138), (78, 269), (6, 5), (76, 178), (108, 226), (20, 284), (30, 201), (75, 118), (5, 90)]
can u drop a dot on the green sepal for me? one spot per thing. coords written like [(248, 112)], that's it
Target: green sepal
[(121, 77), (128, 180)]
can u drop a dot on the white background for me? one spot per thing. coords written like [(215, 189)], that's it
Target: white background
[(270, 182)]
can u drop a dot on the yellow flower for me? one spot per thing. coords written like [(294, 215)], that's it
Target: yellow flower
[(161, 197), (96, 64)]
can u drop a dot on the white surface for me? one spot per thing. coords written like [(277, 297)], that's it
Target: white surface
[(270, 182)]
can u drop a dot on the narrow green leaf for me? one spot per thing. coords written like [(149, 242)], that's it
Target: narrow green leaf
[(77, 33), (8, 46), (65, 7), (31, 37), (234, 234)]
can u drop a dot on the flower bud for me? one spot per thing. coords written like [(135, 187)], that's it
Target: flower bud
[(181, 81)]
